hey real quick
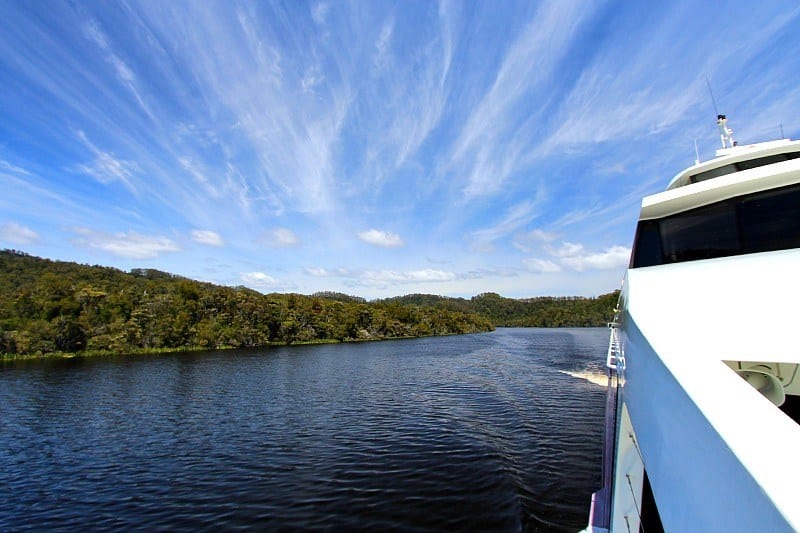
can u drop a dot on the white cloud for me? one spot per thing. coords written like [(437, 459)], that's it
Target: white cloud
[(130, 245), (381, 238), (482, 273), (262, 281), (279, 238), (574, 255), (430, 274), (17, 234), (207, 237), (525, 242), (614, 257), (567, 249), (384, 277), (541, 266)]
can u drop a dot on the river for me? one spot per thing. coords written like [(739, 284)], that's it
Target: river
[(478, 432)]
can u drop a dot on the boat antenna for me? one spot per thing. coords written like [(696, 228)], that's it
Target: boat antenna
[(782, 137), (696, 154), (725, 133), (714, 102)]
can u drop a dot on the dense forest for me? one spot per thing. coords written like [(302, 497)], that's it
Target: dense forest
[(52, 306), (58, 307), (543, 312)]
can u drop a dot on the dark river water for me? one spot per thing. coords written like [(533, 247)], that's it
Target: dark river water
[(472, 432)]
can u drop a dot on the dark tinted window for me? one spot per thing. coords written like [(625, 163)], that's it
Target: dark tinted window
[(700, 234), (770, 221), (714, 173), (743, 165), (759, 222), (647, 244)]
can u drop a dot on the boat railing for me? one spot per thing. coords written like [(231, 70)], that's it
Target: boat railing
[(613, 356)]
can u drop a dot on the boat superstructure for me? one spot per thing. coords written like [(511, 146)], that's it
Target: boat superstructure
[(703, 431)]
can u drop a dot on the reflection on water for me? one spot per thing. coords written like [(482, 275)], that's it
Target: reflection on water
[(469, 432)]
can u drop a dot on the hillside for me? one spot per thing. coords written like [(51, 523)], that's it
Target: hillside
[(531, 312), (53, 306)]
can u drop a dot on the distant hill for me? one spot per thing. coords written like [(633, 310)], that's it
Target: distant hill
[(573, 311), (54, 306)]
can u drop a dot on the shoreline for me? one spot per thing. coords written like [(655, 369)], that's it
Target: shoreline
[(9, 358)]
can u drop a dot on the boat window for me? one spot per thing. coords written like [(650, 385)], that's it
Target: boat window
[(646, 245), (743, 165), (759, 222), (770, 221), (714, 173), (700, 234)]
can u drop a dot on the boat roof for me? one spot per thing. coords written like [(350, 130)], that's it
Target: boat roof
[(728, 157), (738, 170)]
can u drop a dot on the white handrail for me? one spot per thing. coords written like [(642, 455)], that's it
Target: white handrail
[(613, 356)]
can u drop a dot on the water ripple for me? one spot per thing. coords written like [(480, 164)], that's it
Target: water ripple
[(471, 432)]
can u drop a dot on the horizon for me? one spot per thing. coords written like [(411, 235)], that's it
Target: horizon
[(372, 149)]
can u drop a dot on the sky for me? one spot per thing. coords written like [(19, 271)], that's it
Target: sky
[(372, 148)]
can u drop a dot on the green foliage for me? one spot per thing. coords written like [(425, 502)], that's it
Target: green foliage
[(531, 312), (339, 297), (52, 306)]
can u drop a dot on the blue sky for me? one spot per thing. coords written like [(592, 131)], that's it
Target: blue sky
[(373, 148)]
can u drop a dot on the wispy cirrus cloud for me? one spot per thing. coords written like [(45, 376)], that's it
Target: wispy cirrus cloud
[(308, 126), (123, 71), (516, 217), (106, 167), (621, 93), (5, 166), (489, 148), (319, 12)]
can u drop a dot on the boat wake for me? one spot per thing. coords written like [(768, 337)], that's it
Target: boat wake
[(592, 376)]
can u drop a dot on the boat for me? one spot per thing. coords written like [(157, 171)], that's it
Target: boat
[(702, 425)]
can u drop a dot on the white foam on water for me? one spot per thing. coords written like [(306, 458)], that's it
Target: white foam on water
[(594, 377)]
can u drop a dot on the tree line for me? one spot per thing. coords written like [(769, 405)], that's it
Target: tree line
[(543, 312), (53, 306), (60, 307)]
